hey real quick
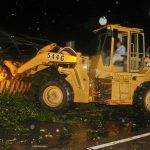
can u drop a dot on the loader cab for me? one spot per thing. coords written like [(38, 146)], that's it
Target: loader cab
[(114, 79), (132, 40)]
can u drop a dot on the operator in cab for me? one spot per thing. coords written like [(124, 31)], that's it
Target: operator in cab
[(120, 53)]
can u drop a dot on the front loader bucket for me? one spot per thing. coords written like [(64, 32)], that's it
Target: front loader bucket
[(9, 83), (14, 86)]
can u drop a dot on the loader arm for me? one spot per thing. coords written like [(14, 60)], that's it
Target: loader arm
[(44, 60), (18, 79)]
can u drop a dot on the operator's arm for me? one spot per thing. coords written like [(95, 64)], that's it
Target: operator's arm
[(121, 51), (120, 54)]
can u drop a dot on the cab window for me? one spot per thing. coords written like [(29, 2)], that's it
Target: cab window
[(106, 49), (137, 51)]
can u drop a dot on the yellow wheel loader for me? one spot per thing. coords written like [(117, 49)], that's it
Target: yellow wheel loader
[(97, 78)]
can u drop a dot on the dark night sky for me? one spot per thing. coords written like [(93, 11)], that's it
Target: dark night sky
[(61, 20)]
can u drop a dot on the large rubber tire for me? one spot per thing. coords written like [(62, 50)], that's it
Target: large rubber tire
[(142, 107), (62, 91)]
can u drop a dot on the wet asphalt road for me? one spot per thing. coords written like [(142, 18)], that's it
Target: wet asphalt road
[(140, 144), (91, 132), (81, 137)]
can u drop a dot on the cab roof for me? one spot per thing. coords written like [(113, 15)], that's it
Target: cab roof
[(120, 28)]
